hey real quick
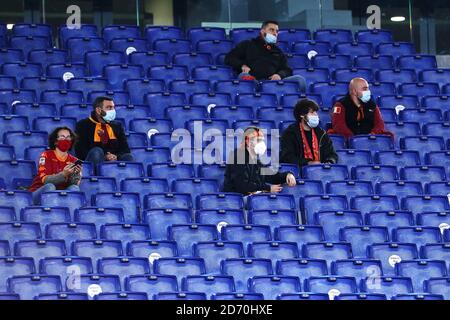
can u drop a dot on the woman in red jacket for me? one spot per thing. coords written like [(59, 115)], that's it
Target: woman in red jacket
[(57, 169)]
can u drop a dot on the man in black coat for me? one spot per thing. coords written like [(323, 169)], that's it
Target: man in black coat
[(304, 142), (261, 59), (244, 172), (100, 138)]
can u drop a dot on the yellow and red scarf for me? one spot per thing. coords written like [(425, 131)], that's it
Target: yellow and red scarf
[(308, 154), (103, 132)]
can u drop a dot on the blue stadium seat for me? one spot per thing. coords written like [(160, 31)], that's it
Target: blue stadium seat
[(31, 286), (396, 49), (118, 74), (243, 269), (87, 84), (212, 72), (205, 99), (48, 56), (419, 89), (93, 284), (16, 169), (66, 71), (78, 111), (363, 236), (123, 267), (180, 296), (311, 204), (350, 188), (208, 284), (96, 60), (28, 43), (93, 185), (71, 200), (272, 286), (374, 36), (66, 32), (171, 171), (14, 266), (325, 172), (62, 97), (296, 61), (132, 111), (8, 82), (399, 157), (280, 87), (303, 296), (13, 96), (122, 296), (438, 102), (62, 296), (246, 233), (367, 204), (120, 31), (328, 251), (423, 174), (11, 55), (392, 101), (220, 217), (48, 124), (172, 46), (275, 250), (299, 234), (437, 187), (313, 75), (232, 113), (66, 267), (195, 186), (79, 46), (148, 59), (151, 284), (392, 253), (125, 232), (150, 155), (197, 34), (419, 204), (214, 252), (7, 214), (121, 170), (143, 185), (332, 62), (389, 286), (417, 235), (16, 199), (39, 249), (329, 89), (161, 219), (213, 171), (168, 201), (421, 270), (240, 34), (361, 296), (192, 59), (7, 153), (128, 201), (374, 62), (375, 173), (273, 201), (347, 74), (419, 297), (99, 216), (190, 86), (354, 48), (180, 267), (422, 144), (440, 76), (333, 221), (34, 110), (302, 268), (333, 286), (311, 47), (292, 35), (396, 76), (153, 33), (438, 286), (398, 188), (24, 29), (274, 218), (119, 97), (360, 269), (188, 234), (70, 232), (417, 62), (257, 99), (235, 87), (439, 158), (169, 73), (158, 102), (214, 47), (4, 248), (436, 128), (128, 45), (333, 35), (151, 249), (97, 249), (379, 89)]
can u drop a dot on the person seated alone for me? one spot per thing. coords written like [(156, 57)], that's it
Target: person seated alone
[(357, 113), (57, 168), (304, 142), (244, 173), (261, 59)]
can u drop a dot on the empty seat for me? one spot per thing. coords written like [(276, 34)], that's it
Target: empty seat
[(366, 204), (70, 232), (151, 284), (296, 61), (389, 286), (160, 101), (397, 76), (214, 47), (71, 200), (374, 62), (62, 296), (371, 142), (423, 144), (437, 187), (144, 185), (419, 89), (353, 49), (7, 214), (48, 56), (14, 266), (17, 231), (28, 287), (375, 173), (232, 113), (325, 172), (61, 97), (12, 96), (361, 296), (85, 30), (419, 204), (79, 46), (299, 234), (360, 269), (350, 188), (99, 216), (180, 267), (94, 284), (15, 170), (125, 232), (311, 204), (96, 60), (280, 87), (208, 284), (302, 268), (169, 72), (94, 185), (418, 235), (273, 201), (396, 49), (11, 55), (328, 90), (67, 268), (375, 36), (39, 249), (240, 34), (423, 173), (333, 286), (327, 251), (212, 72), (246, 233), (16, 199), (244, 269), (121, 170), (332, 62), (172, 46), (197, 34), (153, 33), (206, 99), (347, 74), (29, 42), (124, 267), (122, 296), (399, 158), (128, 201), (399, 189), (119, 31), (272, 286), (97, 249), (438, 286), (333, 221), (151, 249), (190, 86), (417, 62), (274, 218), (421, 270), (66, 71), (275, 250), (392, 253), (214, 252), (361, 237), (118, 74), (311, 47), (192, 60), (187, 235)]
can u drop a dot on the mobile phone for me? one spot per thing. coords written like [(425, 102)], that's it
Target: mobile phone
[(77, 163)]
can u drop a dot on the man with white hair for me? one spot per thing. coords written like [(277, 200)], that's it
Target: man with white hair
[(357, 113)]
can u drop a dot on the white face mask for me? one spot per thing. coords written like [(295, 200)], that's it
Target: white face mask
[(110, 115), (270, 38), (313, 121), (260, 148), (365, 96)]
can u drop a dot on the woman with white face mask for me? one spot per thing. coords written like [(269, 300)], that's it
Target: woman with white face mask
[(244, 174), (304, 142)]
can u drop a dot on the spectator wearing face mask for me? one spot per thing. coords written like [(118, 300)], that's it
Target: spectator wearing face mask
[(100, 138), (357, 113), (244, 172), (57, 169), (304, 142), (261, 59)]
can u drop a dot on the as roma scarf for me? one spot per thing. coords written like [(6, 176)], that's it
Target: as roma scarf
[(308, 154), (103, 132)]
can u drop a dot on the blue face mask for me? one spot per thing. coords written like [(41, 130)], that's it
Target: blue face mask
[(313, 121), (270, 38), (110, 115), (365, 96)]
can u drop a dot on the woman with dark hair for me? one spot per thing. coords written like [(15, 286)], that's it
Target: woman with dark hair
[(57, 169), (304, 142)]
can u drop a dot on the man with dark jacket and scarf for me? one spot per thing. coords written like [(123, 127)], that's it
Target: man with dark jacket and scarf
[(261, 59), (100, 138), (304, 142), (357, 113), (244, 172)]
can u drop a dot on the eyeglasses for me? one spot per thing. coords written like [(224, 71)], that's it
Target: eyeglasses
[(64, 138)]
